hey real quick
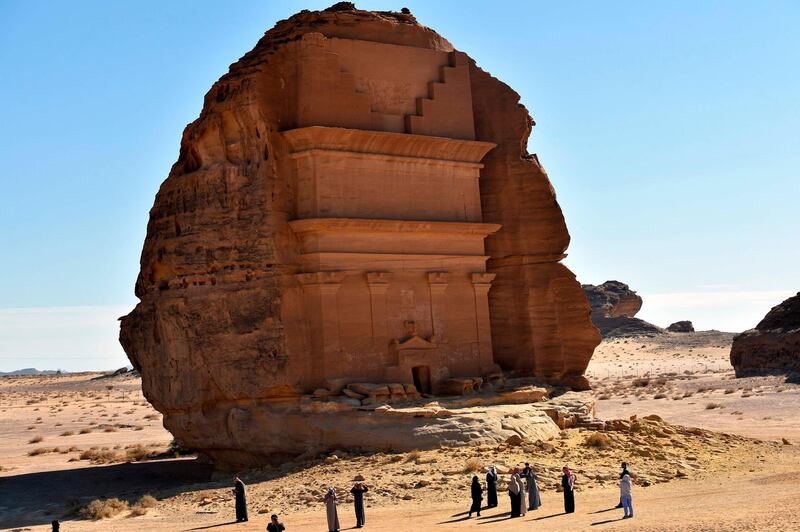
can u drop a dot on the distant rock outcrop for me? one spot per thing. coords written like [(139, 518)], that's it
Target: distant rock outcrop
[(773, 346), (684, 326), (614, 306), (27, 372)]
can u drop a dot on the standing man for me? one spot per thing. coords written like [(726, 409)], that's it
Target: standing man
[(358, 491), (241, 500), (624, 472), (491, 487)]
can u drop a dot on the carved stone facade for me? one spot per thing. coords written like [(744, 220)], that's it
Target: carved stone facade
[(353, 205)]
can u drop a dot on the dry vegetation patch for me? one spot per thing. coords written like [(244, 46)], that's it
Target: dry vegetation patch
[(103, 509)]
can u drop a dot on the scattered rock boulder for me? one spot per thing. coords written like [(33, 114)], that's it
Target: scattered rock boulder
[(614, 306), (773, 347), (684, 326)]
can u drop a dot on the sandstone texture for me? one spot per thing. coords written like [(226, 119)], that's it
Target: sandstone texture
[(353, 221), (614, 306), (684, 326), (773, 346)]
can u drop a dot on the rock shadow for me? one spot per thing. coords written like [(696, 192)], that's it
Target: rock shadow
[(38, 498)]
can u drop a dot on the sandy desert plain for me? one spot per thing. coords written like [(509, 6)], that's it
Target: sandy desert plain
[(725, 457)]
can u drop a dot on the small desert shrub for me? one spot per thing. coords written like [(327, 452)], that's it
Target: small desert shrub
[(598, 440), (38, 451), (36, 439), (151, 416), (67, 433), (473, 465), (103, 508), (110, 429), (712, 406), (641, 382), (147, 501), (100, 456), (137, 511), (604, 397), (137, 453), (729, 391), (659, 396)]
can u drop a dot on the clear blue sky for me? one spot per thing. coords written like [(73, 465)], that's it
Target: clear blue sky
[(671, 132)]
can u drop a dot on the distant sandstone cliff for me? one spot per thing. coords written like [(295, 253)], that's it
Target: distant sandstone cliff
[(773, 346)]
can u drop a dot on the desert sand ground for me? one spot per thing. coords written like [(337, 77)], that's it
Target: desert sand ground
[(686, 479)]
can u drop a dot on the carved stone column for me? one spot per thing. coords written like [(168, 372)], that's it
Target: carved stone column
[(438, 284), (482, 282), (322, 311), (378, 285)]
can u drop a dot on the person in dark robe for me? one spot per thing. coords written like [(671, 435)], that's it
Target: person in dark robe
[(477, 496), (274, 525), (534, 501), (241, 500), (622, 474), (330, 510), (514, 489), (568, 484), (56, 525), (358, 491), (491, 487)]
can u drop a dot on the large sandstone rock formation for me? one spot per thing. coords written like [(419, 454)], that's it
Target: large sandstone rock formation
[(773, 346), (614, 306), (354, 204)]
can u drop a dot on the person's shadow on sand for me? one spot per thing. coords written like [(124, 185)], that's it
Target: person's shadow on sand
[(606, 521), (215, 526)]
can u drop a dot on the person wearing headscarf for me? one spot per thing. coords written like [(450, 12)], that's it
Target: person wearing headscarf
[(514, 490), (358, 491), (534, 501), (241, 499), (491, 487), (330, 508), (625, 488), (568, 484), (622, 473), (56, 526), (275, 525), (477, 496)]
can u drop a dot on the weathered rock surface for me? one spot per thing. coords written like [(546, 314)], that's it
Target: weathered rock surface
[(612, 299), (684, 326), (773, 346), (614, 306), (354, 205)]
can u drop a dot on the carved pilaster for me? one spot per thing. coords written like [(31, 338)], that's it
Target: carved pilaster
[(319, 292), (481, 283), (438, 284), (378, 285)]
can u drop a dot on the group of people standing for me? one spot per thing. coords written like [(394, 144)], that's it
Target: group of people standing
[(523, 491)]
